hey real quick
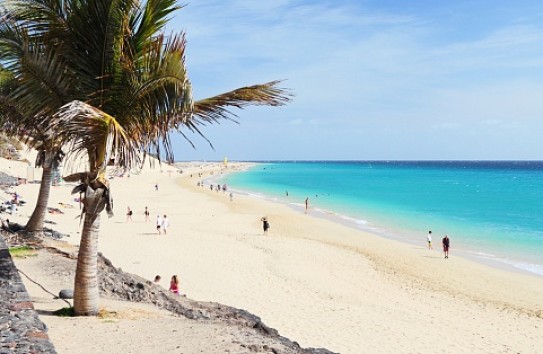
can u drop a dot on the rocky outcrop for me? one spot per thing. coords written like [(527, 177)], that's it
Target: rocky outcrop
[(116, 284), (21, 331)]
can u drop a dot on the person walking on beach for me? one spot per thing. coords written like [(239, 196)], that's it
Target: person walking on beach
[(446, 245), (165, 224), (429, 239), (146, 213), (306, 204), (174, 285), (265, 225), (158, 224), (128, 214)]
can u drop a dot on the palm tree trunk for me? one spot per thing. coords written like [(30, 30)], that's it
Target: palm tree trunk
[(35, 224), (86, 275)]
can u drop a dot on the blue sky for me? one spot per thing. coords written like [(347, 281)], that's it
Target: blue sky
[(372, 79)]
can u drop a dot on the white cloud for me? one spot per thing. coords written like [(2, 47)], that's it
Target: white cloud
[(386, 70)]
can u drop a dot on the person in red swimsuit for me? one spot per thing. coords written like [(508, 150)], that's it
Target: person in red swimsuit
[(174, 285)]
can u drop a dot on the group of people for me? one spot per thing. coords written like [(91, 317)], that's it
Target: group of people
[(162, 222), (174, 283), (218, 187), (129, 214), (11, 206), (445, 242)]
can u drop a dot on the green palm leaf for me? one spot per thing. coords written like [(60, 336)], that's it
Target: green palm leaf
[(214, 108)]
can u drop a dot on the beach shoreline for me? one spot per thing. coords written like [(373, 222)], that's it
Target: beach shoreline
[(376, 229), (529, 277), (318, 282)]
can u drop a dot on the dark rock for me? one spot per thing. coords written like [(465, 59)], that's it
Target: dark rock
[(66, 294), (37, 335)]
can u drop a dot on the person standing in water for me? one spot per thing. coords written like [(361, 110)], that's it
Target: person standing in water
[(306, 204), (429, 239)]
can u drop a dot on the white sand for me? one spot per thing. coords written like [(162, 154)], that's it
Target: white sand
[(318, 282)]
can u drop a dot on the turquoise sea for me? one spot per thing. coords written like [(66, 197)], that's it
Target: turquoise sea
[(491, 210)]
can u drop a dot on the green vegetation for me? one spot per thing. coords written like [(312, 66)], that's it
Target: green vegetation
[(65, 312), (22, 251)]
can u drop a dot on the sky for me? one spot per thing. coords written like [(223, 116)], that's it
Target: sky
[(372, 80)]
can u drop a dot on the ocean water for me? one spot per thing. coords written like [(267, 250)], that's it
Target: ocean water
[(491, 210)]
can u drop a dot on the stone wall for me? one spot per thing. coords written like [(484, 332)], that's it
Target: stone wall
[(21, 331)]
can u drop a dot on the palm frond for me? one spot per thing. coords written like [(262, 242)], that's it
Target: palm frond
[(160, 94), (150, 21), (96, 55), (40, 17), (12, 38), (10, 116), (13, 120), (213, 109), (38, 68), (43, 84), (95, 133)]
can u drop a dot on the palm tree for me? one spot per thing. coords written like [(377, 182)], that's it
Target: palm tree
[(114, 87), (22, 115), (49, 157)]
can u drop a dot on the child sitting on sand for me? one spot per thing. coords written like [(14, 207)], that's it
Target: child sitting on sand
[(174, 285)]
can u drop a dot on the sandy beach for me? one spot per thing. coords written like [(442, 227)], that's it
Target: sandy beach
[(320, 283)]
